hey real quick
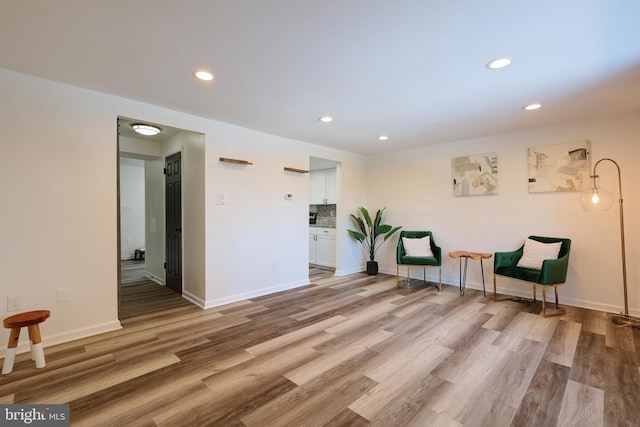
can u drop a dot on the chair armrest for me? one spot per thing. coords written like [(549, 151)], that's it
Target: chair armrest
[(399, 251), (506, 259), (437, 253), (554, 271)]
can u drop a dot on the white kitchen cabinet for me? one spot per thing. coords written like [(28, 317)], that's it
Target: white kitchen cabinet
[(323, 187), (322, 246)]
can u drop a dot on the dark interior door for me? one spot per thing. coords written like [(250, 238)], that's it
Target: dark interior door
[(173, 191)]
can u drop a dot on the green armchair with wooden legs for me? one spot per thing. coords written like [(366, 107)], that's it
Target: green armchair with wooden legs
[(415, 255), (531, 264)]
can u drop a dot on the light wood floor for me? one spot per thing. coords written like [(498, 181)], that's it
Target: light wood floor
[(344, 351)]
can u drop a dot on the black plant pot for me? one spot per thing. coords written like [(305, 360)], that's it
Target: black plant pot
[(372, 268)]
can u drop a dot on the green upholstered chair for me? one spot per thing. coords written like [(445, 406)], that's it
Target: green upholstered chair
[(426, 261), (553, 272)]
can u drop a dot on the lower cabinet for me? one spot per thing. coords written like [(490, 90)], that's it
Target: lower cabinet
[(322, 246)]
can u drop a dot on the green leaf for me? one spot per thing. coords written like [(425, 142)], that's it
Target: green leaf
[(390, 233), (383, 229), (356, 235), (367, 217), (358, 222)]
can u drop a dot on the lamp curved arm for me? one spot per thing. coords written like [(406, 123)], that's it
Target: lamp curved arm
[(595, 175)]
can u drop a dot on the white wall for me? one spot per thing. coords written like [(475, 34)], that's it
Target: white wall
[(257, 228), (132, 206), (191, 146), (155, 232), (60, 145), (416, 187)]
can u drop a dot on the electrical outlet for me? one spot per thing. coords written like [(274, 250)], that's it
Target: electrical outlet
[(14, 302), (288, 196)]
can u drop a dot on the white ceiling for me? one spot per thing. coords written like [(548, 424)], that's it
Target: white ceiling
[(411, 69)]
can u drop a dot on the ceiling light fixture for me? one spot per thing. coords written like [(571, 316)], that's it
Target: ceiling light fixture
[(383, 137), (203, 75), (147, 130), (326, 119), (532, 107), (498, 63)]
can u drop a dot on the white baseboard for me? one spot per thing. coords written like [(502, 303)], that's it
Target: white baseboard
[(154, 278), (61, 338), (193, 299), (258, 293), (350, 271)]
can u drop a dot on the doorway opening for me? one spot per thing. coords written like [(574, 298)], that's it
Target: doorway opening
[(151, 210), (323, 210)]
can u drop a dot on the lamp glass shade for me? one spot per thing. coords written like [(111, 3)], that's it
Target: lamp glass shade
[(596, 199)]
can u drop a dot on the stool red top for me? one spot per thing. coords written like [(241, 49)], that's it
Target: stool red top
[(26, 319)]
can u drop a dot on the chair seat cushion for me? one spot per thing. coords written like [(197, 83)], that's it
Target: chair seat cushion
[(418, 260), (527, 274)]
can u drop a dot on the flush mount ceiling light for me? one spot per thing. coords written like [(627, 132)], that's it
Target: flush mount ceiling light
[(498, 63), (326, 119), (147, 130), (203, 75), (532, 107), (383, 137)]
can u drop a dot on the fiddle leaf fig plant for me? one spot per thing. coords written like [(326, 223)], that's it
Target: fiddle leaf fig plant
[(369, 231)]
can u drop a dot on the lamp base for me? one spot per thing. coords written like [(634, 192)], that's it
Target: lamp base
[(625, 321)]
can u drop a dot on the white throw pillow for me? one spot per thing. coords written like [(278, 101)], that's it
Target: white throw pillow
[(417, 246), (535, 252)]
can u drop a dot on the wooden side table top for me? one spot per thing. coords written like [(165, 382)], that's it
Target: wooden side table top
[(472, 255)]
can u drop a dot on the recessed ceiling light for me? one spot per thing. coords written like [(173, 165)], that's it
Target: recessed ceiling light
[(532, 107), (326, 119), (147, 130), (383, 137), (498, 63), (203, 75)]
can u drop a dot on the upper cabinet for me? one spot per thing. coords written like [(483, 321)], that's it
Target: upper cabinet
[(322, 187)]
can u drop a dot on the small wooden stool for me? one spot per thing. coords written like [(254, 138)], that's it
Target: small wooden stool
[(30, 319)]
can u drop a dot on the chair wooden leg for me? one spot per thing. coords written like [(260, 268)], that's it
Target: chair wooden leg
[(559, 310), (424, 274), (439, 278), (397, 276), (535, 294)]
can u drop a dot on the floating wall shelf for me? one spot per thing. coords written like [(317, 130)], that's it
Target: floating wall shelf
[(295, 170), (241, 162)]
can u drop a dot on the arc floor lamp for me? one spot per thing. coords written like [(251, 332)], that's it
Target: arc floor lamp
[(600, 199)]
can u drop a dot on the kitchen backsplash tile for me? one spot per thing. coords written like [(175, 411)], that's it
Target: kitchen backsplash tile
[(326, 215)]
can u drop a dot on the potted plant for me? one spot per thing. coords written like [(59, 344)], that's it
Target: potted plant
[(368, 233)]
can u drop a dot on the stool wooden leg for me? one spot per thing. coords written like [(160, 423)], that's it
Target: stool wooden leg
[(37, 353), (10, 356)]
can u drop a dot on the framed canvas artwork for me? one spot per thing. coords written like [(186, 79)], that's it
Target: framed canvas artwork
[(559, 167), (475, 175)]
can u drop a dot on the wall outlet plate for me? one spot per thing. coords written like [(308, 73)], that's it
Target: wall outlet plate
[(288, 196)]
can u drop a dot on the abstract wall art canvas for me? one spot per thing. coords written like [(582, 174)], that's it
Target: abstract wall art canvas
[(475, 175), (559, 167)]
